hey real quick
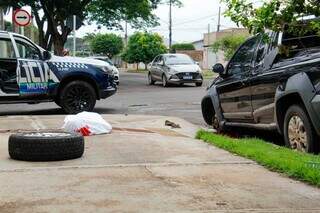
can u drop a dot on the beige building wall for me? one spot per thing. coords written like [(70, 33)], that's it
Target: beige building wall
[(210, 58)]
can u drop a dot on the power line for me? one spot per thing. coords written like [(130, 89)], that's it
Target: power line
[(163, 21), (179, 29), (195, 20)]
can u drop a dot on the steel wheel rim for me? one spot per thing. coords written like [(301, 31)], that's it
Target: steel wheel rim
[(297, 134), (78, 98)]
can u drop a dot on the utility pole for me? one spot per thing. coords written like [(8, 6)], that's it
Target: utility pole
[(208, 47), (170, 24), (74, 35), (126, 41), (126, 34), (219, 24)]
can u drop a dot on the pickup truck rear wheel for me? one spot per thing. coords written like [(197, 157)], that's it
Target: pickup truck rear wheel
[(78, 96), (299, 133)]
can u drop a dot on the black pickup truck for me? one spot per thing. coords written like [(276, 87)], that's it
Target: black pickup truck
[(270, 84)]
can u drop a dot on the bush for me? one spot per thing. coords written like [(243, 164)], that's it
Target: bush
[(182, 46)]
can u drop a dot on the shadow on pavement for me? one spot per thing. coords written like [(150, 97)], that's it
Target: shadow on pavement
[(266, 135)]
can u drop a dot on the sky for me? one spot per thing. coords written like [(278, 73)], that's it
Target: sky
[(190, 22)]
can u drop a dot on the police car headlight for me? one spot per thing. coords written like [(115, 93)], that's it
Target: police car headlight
[(106, 70)]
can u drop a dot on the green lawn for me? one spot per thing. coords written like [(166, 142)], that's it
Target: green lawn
[(300, 166)]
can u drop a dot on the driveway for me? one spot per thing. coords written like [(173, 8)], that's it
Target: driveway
[(144, 166)]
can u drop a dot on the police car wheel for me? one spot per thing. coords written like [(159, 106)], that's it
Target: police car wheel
[(78, 96), (45, 146)]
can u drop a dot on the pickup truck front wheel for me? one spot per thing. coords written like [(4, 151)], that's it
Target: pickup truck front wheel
[(299, 133), (77, 96)]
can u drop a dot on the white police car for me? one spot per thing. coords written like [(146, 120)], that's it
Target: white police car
[(30, 74)]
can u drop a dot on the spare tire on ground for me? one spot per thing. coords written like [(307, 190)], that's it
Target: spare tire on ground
[(45, 146)]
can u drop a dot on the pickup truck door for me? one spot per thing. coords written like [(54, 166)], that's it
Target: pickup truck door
[(234, 91), (264, 82), (32, 71)]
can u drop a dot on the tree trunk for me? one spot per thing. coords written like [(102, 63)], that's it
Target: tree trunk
[(145, 66), (58, 46), (137, 66)]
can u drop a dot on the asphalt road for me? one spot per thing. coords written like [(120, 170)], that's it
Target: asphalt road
[(136, 97), (133, 97)]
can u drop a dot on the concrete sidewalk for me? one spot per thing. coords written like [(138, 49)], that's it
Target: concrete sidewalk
[(144, 166)]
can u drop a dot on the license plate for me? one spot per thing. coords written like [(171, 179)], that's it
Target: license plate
[(187, 77)]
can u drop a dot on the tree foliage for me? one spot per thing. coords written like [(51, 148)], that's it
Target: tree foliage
[(106, 44), (144, 47), (109, 13), (229, 44), (274, 14), (182, 46)]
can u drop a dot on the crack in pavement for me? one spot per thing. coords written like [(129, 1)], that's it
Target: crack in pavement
[(145, 165)]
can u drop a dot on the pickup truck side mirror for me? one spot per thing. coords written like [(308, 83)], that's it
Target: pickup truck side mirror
[(46, 55), (218, 68)]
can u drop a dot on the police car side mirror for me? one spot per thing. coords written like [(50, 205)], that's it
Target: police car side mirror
[(46, 55)]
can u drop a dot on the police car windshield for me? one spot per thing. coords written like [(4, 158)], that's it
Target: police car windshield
[(178, 60), (106, 60)]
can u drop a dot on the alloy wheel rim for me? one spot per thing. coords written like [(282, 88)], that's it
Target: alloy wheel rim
[(297, 134), (78, 98)]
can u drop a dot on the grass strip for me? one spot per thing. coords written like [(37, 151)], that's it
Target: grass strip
[(300, 166)]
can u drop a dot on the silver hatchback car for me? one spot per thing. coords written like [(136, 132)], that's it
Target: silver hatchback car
[(174, 69)]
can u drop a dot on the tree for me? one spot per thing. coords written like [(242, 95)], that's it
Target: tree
[(229, 44), (182, 46), (109, 13), (144, 47), (274, 15), (106, 44)]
